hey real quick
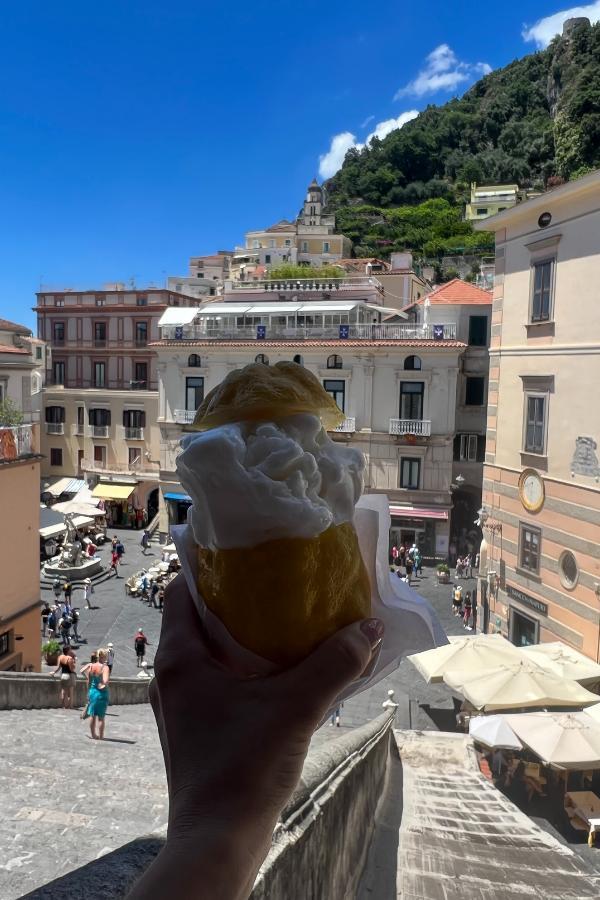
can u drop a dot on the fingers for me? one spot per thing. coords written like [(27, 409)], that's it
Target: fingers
[(314, 683), (181, 626)]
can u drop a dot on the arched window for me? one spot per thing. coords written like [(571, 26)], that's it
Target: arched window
[(334, 361), (194, 361), (299, 359), (261, 358), (412, 363)]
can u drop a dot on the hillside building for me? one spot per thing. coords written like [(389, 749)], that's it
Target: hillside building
[(23, 364), (541, 489), (206, 277)]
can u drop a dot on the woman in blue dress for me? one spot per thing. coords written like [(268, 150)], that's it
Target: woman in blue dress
[(98, 694)]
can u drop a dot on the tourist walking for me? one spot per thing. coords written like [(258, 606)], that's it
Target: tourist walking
[(52, 622), (409, 567), (120, 549), (68, 592), (153, 594), (467, 612), (45, 616), (394, 555), (114, 563), (140, 642), (110, 657), (88, 590), (65, 629), (418, 561), (457, 600), (98, 694), (145, 541), (66, 666), (57, 588), (474, 616), (75, 621)]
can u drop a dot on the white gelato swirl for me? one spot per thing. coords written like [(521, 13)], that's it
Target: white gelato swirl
[(254, 483)]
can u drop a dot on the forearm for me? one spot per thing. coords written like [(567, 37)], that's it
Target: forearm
[(209, 864)]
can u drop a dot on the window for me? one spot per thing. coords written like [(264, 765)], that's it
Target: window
[(255, 244), (80, 461), (134, 418), (474, 392), (410, 473), (59, 301), (58, 333), (535, 423), (482, 210), (325, 246), (299, 359), (56, 456), (99, 374), (478, 331), (412, 364), (271, 242), (469, 448), (287, 242), (99, 454), (336, 388), (140, 375), (261, 358), (100, 301), (58, 372), (194, 392), (334, 361), (568, 570), (541, 300), (135, 456), (100, 334), (38, 352), (529, 548), (199, 274), (141, 334), (99, 418), (411, 399), (194, 361), (305, 246), (267, 258), (55, 414), (80, 419), (143, 301)]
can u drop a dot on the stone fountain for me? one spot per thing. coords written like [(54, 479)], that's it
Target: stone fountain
[(71, 563)]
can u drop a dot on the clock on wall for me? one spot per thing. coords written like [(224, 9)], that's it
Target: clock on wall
[(531, 490)]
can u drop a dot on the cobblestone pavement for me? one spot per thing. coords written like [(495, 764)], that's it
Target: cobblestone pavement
[(116, 617)]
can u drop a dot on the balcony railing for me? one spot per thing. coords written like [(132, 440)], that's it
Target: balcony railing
[(55, 427), (15, 441), (138, 466), (184, 416), (99, 431), (112, 385), (348, 425), (303, 285), (418, 427), (403, 331), (134, 434)]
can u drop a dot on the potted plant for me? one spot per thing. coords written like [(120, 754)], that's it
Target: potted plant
[(51, 651), (443, 573)]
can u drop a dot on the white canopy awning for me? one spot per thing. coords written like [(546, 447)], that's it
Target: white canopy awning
[(178, 315)]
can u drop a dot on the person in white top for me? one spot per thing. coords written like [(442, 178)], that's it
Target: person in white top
[(110, 656), (88, 590), (144, 673)]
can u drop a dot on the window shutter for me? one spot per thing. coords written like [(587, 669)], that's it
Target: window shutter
[(125, 418), (472, 447)]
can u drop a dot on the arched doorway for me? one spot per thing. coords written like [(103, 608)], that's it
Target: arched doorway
[(152, 504)]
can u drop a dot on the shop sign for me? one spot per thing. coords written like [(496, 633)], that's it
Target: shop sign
[(526, 600)]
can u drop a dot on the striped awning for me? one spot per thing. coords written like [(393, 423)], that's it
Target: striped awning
[(418, 512)]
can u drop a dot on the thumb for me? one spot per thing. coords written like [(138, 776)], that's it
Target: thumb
[(317, 680)]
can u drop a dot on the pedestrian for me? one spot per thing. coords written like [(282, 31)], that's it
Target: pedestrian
[(75, 621), (336, 715), (467, 612), (52, 622), (68, 591), (457, 600), (474, 616), (161, 597), (65, 630), (110, 657), (145, 541), (477, 561), (88, 590), (66, 666), (409, 568), (394, 555), (114, 543), (418, 560), (98, 694), (153, 594), (468, 566), (120, 549), (85, 669), (45, 616), (114, 563), (144, 673), (401, 555), (140, 642), (57, 588)]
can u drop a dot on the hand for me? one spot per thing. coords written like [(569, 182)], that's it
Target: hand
[(234, 748)]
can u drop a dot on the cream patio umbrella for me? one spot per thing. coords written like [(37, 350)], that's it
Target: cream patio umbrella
[(593, 711), (567, 740), (564, 661), (474, 654), (494, 732), (517, 685)]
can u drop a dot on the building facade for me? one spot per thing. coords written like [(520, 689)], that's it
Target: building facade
[(396, 384), (541, 498), (101, 395), (206, 277), (23, 364)]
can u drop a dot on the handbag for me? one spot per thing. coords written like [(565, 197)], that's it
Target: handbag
[(86, 712)]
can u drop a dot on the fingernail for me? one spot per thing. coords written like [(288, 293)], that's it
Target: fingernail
[(373, 629)]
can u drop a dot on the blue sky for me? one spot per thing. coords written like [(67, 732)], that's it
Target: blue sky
[(135, 134)]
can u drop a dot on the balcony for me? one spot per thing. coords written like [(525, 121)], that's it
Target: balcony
[(348, 426), (134, 434), (99, 431), (15, 441), (55, 427), (303, 285), (403, 331), (140, 467), (184, 416), (113, 385), (415, 427)]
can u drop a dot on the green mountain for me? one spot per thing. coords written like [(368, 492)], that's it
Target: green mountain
[(535, 122)]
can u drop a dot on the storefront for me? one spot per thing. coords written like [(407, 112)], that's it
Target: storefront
[(425, 527), (121, 508), (177, 507), (524, 627)]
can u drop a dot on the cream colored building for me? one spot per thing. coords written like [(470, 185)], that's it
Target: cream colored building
[(22, 369), (206, 277), (541, 498), (101, 394), (394, 382)]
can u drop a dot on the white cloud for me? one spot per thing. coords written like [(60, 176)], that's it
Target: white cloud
[(443, 71), (545, 29), (367, 121), (331, 162)]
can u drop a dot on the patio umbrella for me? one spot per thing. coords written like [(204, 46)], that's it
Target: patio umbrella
[(494, 732), (468, 654), (564, 661), (593, 711), (568, 740), (515, 685)]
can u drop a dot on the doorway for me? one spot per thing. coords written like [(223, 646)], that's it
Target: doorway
[(523, 629), (152, 505)]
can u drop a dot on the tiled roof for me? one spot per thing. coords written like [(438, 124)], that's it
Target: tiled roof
[(6, 348), (457, 292), (284, 225), (302, 342), (6, 325)]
